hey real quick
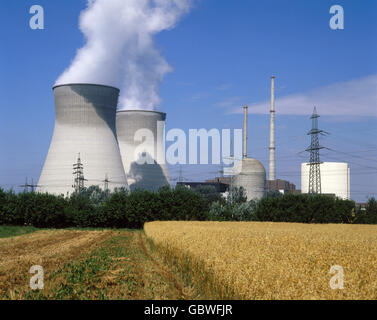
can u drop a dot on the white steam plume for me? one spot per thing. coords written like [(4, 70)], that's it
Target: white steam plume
[(120, 51)]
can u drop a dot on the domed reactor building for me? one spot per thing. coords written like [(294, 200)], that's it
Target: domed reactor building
[(249, 173), (84, 140), (140, 136)]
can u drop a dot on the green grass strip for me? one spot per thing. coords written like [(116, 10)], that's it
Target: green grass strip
[(13, 231)]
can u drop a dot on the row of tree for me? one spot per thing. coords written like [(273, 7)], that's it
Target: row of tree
[(122, 209), (96, 208), (302, 208)]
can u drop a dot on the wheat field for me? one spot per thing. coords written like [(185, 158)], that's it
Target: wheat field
[(260, 260)]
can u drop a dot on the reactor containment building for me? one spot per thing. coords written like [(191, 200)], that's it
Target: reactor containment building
[(249, 173)]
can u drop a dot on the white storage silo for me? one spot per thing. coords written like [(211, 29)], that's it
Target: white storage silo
[(335, 178), (141, 141), (85, 125)]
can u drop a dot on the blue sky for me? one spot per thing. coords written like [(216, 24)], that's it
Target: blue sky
[(222, 54)]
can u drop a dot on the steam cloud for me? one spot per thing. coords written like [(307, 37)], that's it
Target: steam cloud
[(120, 50)]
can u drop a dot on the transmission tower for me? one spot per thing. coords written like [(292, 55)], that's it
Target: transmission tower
[(25, 186), (33, 186), (78, 172), (315, 163), (106, 182)]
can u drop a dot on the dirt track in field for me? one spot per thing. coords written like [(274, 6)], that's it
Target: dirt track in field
[(135, 271), (50, 249)]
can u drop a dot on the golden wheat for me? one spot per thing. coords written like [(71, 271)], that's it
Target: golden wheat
[(256, 260)]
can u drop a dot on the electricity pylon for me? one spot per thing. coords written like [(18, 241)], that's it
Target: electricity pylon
[(315, 163), (78, 172), (106, 182), (26, 186)]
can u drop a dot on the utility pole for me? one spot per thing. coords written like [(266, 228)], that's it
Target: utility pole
[(78, 172), (315, 163)]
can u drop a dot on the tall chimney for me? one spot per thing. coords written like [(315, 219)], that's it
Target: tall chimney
[(271, 172), (245, 109)]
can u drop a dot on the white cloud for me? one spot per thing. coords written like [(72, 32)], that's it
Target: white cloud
[(348, 99)]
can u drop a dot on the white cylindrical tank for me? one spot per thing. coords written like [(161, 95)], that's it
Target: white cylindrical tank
[(85, 125), (141, 141), (335, 178), (251, 175)]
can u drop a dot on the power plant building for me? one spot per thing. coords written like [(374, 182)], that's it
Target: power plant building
[(140, 136), (85, 127), (281, 186), (249, 173), (335, 179)]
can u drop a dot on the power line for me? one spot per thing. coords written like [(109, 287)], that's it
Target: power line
[(352, 155)]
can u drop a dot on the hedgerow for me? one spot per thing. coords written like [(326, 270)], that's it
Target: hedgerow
[(123, 209)]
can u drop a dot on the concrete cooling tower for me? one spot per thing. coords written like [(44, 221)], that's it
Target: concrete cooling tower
[(140, 136), (84, 125)]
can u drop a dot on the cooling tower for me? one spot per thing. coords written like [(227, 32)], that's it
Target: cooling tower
[(251, 175), (141, 141), (84, 125)]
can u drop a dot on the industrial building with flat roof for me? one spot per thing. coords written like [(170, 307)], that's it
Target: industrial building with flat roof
[(281, 186)]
